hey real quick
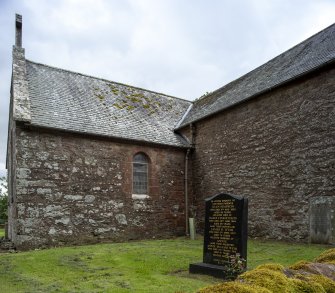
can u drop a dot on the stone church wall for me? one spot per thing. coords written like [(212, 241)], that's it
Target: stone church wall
[(277, 149), (73, 190)]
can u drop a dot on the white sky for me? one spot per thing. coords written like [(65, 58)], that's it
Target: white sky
[(183, 48)]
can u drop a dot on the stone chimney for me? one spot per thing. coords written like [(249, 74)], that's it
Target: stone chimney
[(19, 90), (18, 30)]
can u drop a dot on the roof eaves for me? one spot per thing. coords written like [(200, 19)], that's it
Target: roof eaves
[(183, 142)]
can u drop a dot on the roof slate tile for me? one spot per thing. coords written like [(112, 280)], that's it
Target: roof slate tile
[(304, 57), (71, 101)]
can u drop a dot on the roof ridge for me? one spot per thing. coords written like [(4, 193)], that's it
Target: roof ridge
[(308, 55), (201, 98), (106, 80)]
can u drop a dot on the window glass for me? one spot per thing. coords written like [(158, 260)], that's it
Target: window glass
[(140, 174)]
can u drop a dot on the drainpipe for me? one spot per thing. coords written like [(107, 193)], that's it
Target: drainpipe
[(192, 130), (186, 192)]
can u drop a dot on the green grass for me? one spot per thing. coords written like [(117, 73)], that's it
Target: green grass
[(143, 266), (2, 232)]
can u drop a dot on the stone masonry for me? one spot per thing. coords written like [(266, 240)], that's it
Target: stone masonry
[(73, 189), (277, 149)]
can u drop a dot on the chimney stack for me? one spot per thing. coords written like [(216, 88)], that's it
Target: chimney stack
[(18, 30)]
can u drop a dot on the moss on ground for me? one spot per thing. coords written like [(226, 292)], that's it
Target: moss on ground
[(272, 266), (234, 287), (300, 265), (327, 257), (327, 284), (271, 278), (274, 281)]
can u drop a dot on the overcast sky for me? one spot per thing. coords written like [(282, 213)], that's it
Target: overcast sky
[(183, 48)]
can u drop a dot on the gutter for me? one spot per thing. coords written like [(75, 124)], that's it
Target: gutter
[(103, 136)]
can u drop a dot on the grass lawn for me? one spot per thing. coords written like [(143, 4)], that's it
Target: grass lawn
[(2, 232), (143, 266)]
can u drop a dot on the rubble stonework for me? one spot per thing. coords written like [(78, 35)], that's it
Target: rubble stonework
[(277, 149), (75, 190), (21, 102)]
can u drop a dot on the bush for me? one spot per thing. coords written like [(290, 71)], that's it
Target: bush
[(236, 266), (3, 209), (3, 200)]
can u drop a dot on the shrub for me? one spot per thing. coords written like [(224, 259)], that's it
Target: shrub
[(3, 200), (236, 266), (3, 208)]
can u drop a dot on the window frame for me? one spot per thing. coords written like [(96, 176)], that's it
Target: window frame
[(143, 163)]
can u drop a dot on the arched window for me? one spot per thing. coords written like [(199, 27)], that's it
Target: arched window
[(140, 174)]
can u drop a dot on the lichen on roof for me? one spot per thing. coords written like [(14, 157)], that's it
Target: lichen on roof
[(101, 107), (130, 99)]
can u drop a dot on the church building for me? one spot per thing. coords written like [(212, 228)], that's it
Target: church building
[(92, 160)]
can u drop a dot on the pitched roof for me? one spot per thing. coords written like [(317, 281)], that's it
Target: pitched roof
[(309, 55), (71, 101)]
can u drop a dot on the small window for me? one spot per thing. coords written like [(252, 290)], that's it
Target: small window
[(140, 174)]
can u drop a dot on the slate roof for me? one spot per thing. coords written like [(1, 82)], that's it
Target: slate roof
[(309, 55), (75, 102)]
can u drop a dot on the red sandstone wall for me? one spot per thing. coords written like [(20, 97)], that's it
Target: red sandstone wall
[(72, 189), (278, 149)]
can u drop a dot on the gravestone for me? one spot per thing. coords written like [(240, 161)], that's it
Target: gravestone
[(322, 219), (225, 235)]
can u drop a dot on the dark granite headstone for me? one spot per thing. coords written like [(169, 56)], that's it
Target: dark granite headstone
[(226, 234)]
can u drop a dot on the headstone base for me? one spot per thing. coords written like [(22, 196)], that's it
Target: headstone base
[(207, 269)]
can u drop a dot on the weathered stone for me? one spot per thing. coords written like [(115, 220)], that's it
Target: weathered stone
[(52, 231), (121, 218), (64, 221), (89, 198), (23, 173), (73, 197), (277, 149), (54, 211), (43, 190)]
